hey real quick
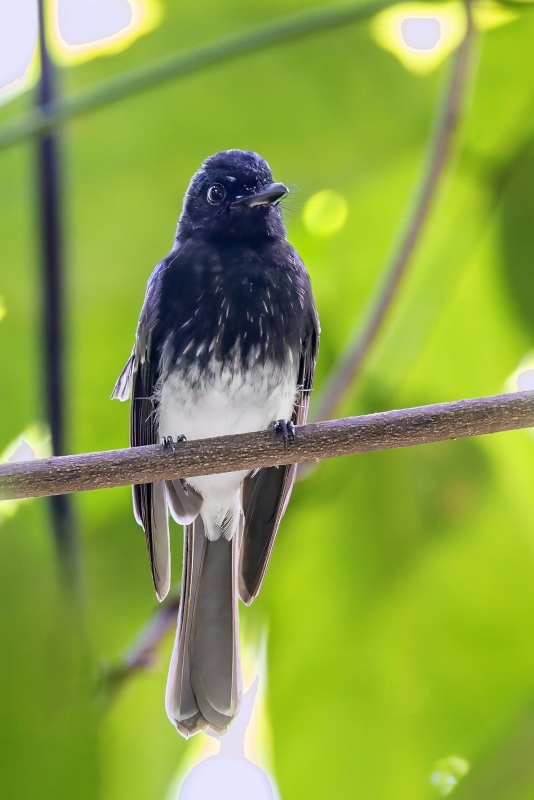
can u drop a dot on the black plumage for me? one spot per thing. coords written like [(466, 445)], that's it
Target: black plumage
[(227, 337)]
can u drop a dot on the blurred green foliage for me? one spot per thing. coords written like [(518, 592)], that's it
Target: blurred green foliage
[(400, 597)]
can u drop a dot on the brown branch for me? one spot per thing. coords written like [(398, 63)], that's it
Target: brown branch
[(448, 115), (384, 431)]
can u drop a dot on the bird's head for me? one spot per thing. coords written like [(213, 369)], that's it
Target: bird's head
[(232, 196)]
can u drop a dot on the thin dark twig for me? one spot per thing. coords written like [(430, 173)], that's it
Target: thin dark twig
[(142, 652), (248, 451), (53, 310), (448, 114)]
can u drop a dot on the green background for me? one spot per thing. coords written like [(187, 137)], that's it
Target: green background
[(400, 597)]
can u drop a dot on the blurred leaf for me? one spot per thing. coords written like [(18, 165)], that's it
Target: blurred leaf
[(517, 216)]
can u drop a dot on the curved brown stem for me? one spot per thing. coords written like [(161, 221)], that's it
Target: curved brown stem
[(448, 115)]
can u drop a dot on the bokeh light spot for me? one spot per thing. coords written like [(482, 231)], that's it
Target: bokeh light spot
[(18, 36), (447, 772), (84, 29), (88, 21), (227, 779), (33, 442), (420, 35), (325, 213), (522, 378), (525, 381)]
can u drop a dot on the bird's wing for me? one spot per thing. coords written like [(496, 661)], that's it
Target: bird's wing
[(139, 379), (267, 492)]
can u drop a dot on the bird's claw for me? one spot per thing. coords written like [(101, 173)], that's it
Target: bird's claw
[(168, 443), (286, 429)]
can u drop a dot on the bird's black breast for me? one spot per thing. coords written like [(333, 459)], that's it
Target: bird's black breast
[(231, 301)]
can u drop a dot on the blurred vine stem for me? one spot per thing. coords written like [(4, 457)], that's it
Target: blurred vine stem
[(48, 180), (158, 71), (447, 117)]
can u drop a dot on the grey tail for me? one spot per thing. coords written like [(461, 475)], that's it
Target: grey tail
[(204, 683)]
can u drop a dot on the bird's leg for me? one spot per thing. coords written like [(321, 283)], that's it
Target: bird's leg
[(168, 443), (286, 429)]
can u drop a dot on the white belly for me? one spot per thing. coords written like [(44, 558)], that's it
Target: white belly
[(221, 402)]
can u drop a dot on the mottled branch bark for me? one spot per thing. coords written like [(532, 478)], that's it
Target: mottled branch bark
[(383, 431)]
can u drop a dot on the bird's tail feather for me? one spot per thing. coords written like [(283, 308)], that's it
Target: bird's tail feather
[(204, 680)]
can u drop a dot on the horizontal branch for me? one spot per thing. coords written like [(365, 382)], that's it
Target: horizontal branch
[(383, 431), (160, 70)]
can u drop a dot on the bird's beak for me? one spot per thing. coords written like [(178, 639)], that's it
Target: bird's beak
[(269, 196)]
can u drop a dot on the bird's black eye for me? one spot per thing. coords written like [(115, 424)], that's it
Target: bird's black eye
[(216, 194)]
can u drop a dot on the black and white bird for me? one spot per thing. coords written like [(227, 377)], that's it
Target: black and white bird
[(226, 343)]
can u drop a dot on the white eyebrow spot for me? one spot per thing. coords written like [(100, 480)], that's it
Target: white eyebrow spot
[(231, 178)]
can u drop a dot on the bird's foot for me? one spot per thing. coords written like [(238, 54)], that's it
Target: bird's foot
[(168, 443), (286, 429)]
